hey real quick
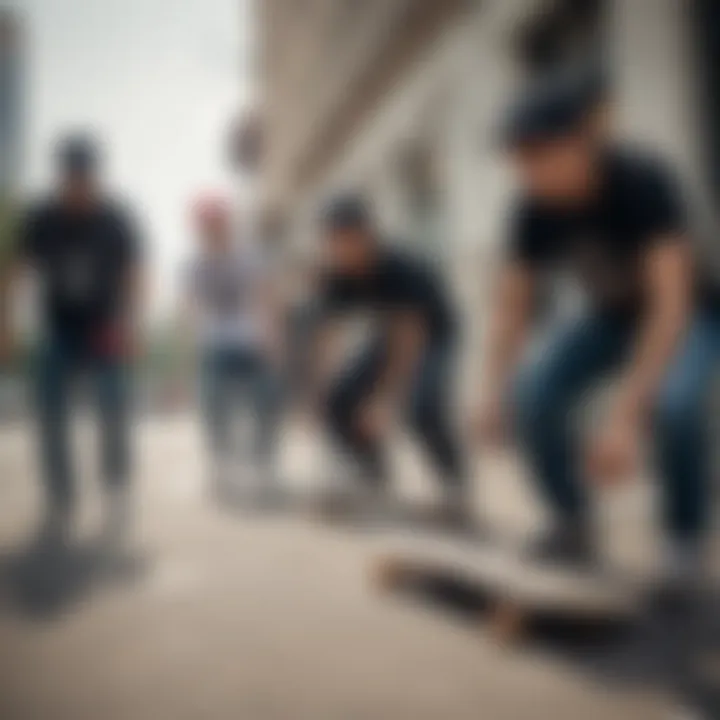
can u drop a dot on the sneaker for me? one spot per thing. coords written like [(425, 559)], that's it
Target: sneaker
[(675, 597), (454, 514), (564, 544), (680, 588), (118, 516), (56, 528)]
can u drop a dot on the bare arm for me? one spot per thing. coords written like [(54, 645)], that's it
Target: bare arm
[(508, 328), (506, 338), (134, 295), (136, 291), (407, 338), (134, 283), (667, 269), (272, 310), (668, 280), (324, 357)]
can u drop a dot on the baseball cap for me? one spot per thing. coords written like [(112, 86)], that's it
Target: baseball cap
[(553, 107), (78, 154), (211, 207), (346, 212)]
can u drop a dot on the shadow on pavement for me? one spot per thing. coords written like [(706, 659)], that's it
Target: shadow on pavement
[(43, 581), (678, 653)]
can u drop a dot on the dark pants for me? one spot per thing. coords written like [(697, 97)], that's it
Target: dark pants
[(302, 323), (551, 387), (428, 411), (233, 378), (59, 363)]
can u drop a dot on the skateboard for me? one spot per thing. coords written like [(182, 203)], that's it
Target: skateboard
[(512, 595)]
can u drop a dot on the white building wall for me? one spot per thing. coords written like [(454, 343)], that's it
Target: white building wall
[(651, 52), (660, 98), (453, 97), (450, 95)]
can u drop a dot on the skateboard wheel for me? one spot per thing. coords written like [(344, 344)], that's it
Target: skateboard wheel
[(388, 574), (507, 623)]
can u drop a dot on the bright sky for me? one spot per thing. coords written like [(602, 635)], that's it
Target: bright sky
[(160, 81)]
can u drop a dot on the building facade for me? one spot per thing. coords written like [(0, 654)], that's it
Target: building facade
[(399, 98)]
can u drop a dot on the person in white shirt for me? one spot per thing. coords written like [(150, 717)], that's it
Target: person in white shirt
[(236, 328)]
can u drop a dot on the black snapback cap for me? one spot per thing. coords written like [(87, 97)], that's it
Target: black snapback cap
[(78, 154), (553, 107), (346, 212)]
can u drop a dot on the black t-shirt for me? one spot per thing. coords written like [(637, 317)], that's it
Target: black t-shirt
[(82, 261), (398, 282), (602, 243)]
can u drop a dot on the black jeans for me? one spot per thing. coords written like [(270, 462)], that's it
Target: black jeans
[(60, 360), (231, 380), (427, 412), (591, 347)]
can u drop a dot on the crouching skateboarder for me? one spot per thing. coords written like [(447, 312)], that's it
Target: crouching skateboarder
[(614, 217), (404, 369)]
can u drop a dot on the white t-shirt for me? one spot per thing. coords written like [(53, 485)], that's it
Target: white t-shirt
[(227, 289)]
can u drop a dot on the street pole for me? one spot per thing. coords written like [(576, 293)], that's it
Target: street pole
[(10, 125)]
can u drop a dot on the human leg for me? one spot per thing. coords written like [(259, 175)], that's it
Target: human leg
[(267, 401), (113, 402), (215, 400), (350, 390), (113, 398), (547, 392), (681, 433), (431, 415), (53, 373)]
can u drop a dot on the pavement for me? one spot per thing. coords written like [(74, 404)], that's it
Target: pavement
[(222, 614)]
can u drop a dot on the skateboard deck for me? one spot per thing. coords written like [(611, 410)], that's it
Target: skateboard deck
[(513, 595)]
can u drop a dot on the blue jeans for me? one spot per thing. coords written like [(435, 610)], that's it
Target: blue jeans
[(232, 378), (428, 411), (550, 388), (59, 361)]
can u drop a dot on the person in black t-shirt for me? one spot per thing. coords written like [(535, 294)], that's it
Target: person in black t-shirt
[(408, 363), (614, 219), (84, 251)]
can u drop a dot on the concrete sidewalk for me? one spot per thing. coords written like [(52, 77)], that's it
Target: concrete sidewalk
[(243, 617)]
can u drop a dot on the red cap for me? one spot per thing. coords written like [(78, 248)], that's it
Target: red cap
[(209, 208)]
